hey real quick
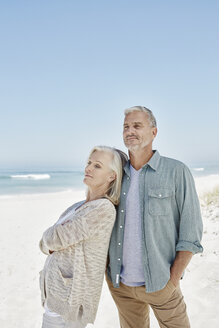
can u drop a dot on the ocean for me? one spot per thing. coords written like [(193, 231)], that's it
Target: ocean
[(14, 182)]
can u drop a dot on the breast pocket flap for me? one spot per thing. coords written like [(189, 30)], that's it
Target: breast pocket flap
[(160, 193), (160, 201)]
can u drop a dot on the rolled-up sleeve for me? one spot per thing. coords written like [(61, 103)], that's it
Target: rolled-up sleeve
[(190, 225)]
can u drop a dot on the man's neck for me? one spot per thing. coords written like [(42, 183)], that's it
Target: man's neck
[(140, 157)]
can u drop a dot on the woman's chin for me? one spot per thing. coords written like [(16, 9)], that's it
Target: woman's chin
[(86, 181)]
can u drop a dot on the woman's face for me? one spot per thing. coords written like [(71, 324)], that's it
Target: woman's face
[(98, 174)]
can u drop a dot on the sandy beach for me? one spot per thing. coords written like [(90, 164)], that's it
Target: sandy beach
[(24, 218)]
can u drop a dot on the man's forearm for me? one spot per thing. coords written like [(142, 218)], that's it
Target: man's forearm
[(180, 263)]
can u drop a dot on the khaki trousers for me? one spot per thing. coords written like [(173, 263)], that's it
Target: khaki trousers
[(133, 306)]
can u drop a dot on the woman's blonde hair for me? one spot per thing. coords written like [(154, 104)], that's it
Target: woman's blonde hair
[(119, 158)]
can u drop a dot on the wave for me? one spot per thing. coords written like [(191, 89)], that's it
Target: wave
[(198, 169), (31, 176)]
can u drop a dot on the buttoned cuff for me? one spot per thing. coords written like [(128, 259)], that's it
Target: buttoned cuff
[(184, 245)]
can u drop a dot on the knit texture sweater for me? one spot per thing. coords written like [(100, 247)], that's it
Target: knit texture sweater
[(72, 278)]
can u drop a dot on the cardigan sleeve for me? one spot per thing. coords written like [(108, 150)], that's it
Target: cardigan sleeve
[(42, 245), (81, 227)]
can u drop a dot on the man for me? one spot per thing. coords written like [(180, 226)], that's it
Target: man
[(158, 229)]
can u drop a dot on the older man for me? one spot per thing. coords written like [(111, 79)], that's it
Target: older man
[(158, 229)]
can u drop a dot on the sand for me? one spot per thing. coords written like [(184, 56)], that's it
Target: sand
[(24, 218)]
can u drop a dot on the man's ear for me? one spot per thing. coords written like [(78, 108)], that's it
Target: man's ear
[(154, 132)]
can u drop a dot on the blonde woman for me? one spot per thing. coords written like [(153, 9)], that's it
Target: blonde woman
[(77, 245)]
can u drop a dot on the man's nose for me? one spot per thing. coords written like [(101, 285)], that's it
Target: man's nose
[(130, 130)]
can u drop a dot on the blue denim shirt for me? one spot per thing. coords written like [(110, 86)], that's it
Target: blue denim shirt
[(171, 220)]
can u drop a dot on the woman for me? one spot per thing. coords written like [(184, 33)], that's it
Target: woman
[(77, 245)]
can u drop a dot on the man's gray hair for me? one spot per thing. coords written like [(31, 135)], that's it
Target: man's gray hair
[(151, 117)]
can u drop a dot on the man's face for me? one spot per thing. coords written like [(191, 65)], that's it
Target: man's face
[(137, 132)]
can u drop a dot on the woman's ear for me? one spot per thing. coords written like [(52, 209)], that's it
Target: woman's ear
[(112, 177)]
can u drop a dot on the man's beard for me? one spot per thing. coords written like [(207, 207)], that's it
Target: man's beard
[(134, 148)]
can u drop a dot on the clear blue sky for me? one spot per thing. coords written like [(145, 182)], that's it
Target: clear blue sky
[(69, 68)]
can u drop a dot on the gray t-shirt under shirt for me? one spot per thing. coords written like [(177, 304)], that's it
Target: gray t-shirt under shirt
[(132, 273)]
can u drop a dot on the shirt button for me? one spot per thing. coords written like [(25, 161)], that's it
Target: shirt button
[(121, 226), (118, 259), (119, 244), (128, 178), (122, 211), (160, 195), (124, 193)]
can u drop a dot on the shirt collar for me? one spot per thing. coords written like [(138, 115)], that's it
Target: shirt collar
[(153, 163)]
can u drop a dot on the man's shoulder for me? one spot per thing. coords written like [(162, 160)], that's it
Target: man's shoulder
[(175, 166), (172, 162)]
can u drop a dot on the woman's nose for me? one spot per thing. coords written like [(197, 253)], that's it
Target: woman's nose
[(88, 169)]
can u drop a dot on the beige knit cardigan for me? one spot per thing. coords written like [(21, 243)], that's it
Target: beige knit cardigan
[(72, 278)]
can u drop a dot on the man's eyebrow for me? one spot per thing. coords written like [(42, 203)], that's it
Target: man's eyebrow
[(133, 123)]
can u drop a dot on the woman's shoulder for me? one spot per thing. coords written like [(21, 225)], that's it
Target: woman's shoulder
[(101, 204)]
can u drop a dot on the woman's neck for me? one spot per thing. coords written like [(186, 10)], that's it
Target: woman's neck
[(95, 194)]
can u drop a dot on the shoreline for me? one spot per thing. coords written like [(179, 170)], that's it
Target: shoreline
[(66, 192)]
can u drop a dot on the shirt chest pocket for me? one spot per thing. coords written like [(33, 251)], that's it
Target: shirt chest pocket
[(159, 201)]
